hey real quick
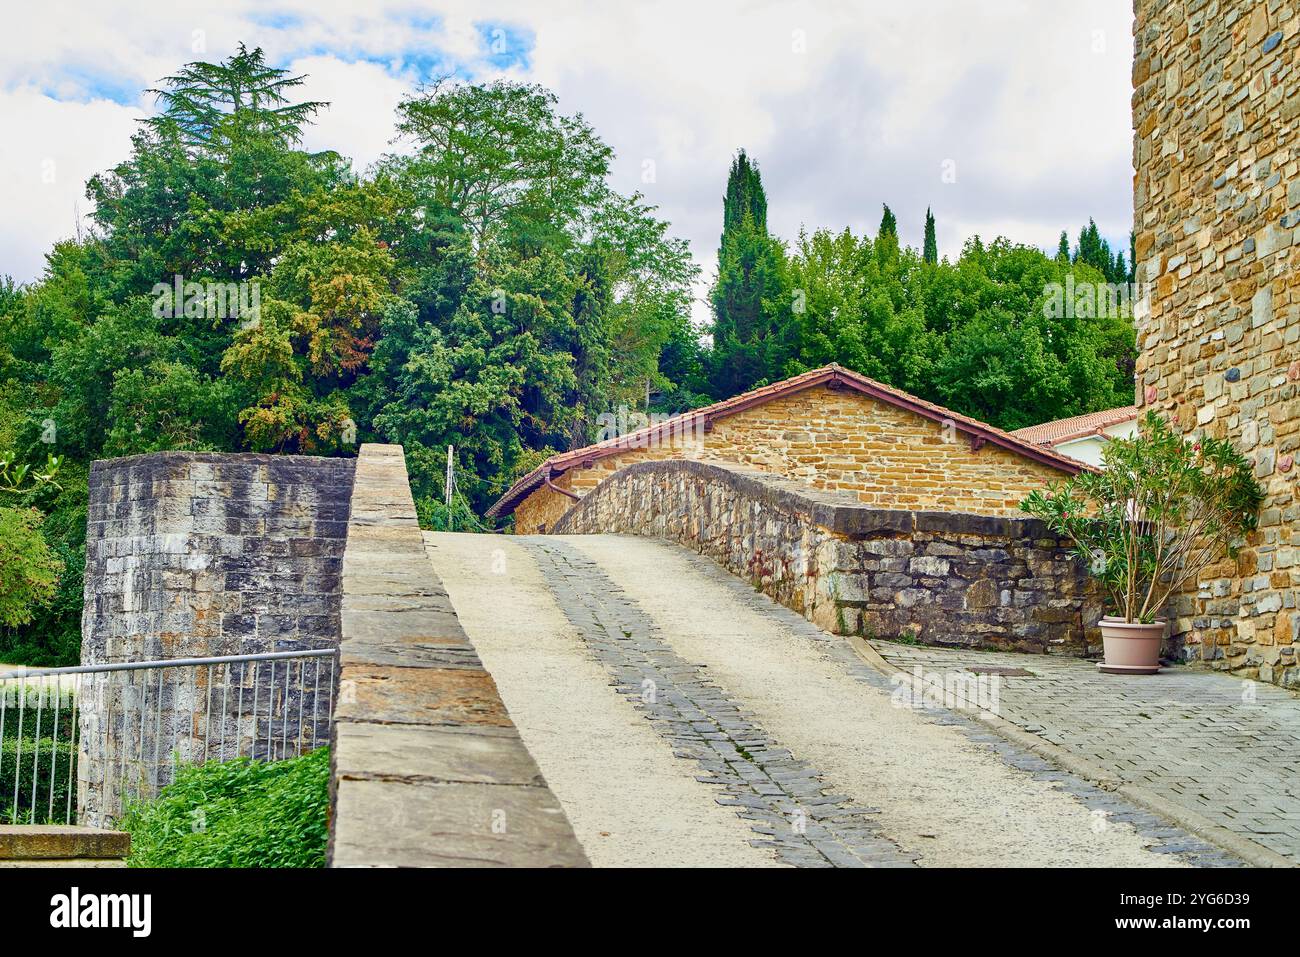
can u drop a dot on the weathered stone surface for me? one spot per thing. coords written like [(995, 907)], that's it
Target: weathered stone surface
[(59, 842), (1217, 344), (194, 555), (404, 824), (427, 767), (487, 755), (943, 577), (425, 695)]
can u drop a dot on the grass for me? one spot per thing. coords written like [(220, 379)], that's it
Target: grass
[(239, 813)]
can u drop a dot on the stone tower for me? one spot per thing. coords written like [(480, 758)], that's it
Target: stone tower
[(1216, 100)]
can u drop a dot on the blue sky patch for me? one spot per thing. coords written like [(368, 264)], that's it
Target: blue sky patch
[(83, 84), (275, 21)]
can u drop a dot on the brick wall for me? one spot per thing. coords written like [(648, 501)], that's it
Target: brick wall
[(835, 440), (1217, 220), (943, 578)]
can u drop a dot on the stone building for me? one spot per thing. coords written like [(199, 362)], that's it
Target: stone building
[(1216, 101), (831, 429)]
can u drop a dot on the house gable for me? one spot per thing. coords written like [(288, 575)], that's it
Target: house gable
[(830, 437)]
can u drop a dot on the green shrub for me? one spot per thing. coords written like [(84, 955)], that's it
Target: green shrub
[(29, 568), (240, 813), (53, 636), (51, 761), (1163, 508)]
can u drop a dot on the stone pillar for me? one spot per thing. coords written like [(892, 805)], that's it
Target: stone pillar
[(197, 555)]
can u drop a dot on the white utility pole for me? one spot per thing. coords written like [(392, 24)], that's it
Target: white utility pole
[(447, 486)]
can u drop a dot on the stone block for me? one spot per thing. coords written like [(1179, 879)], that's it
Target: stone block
[(382, 823), (30, 842)]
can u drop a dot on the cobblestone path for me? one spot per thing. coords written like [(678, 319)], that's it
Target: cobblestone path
[(620, 593), (784, 799), (1224, 748)]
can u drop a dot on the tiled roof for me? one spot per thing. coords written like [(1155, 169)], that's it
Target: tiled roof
[(1076, 427), (979, 432)]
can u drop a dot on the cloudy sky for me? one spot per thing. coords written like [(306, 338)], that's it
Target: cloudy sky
[(1006, 116)]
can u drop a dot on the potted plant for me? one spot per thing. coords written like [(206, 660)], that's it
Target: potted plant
[(1159, 511)]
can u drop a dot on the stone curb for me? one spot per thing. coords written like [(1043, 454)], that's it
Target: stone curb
[(61, 842), (1256, 855)]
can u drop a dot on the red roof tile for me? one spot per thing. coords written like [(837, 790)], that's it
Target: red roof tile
[(1075, 427)]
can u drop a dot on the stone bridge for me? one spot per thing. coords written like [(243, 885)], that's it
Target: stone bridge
[(685, 672), (944, 578)]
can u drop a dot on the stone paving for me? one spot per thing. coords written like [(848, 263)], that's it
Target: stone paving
[(1225, 748), (1167, 838), (769, 784), (781, 796)]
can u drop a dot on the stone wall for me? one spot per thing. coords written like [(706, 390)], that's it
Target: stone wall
[(944, 578), (1217, 220), (428, 769), (834, 439), (197, 555), (206, 554)]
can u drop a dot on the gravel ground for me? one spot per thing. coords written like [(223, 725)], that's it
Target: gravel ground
[(952, 800), (630, 801)]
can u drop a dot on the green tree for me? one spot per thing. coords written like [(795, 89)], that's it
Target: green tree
[(888, 224), (489, 378), (1009, 362), (751, 296), (29, 570), (859, 309), (930, 248), (501, 153), (216, 106)]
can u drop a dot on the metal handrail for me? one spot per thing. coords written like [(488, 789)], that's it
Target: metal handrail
[(130, 752), (166, 663)]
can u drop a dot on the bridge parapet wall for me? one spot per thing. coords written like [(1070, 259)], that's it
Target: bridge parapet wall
[(945, 578), (206, 554), (428, 769)]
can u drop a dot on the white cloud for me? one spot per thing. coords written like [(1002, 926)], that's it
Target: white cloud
[(363, 100), (43, 170), (845, 107)]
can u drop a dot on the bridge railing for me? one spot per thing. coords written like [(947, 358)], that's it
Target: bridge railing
[(82, 743)]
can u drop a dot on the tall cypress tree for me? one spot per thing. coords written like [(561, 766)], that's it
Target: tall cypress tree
[(1063, 249), (751, 327), (745, 197), (888, 224), (930, 249)]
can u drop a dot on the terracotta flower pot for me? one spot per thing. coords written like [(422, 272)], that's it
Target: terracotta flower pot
[(1132, 648)]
